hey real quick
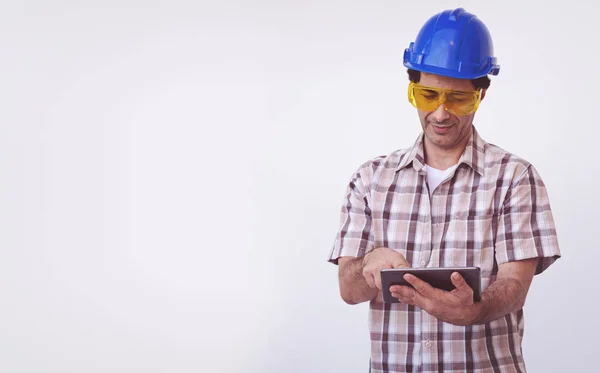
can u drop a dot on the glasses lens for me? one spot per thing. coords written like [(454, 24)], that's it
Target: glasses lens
[(426, 99), (457, 102), (462, 103)]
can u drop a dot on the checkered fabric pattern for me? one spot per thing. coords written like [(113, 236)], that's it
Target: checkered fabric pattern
[(493, 209)]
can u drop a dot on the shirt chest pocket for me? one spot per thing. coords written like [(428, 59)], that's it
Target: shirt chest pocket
[(466, 239)]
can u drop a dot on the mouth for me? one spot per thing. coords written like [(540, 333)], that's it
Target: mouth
[(441, 129)]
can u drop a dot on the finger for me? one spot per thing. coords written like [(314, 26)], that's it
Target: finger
[(402, 299), (408, 295), (377, 277), (420, 286), (369, 278), (404, 294), (400, 262), (462, 288), (405, 291)]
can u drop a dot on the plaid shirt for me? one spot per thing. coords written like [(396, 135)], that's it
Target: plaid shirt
[(493, 209)]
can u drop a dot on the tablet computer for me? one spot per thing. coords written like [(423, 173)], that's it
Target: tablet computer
[(436, 277)]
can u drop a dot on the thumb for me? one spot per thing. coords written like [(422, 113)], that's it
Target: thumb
[(461, 285), (400, 262)]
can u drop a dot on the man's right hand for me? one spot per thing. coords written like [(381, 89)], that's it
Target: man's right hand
[(378, 259)]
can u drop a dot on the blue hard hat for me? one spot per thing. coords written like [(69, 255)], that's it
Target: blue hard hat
[(453, 43)]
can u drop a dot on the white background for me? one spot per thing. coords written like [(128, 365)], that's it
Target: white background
[(171, 175)]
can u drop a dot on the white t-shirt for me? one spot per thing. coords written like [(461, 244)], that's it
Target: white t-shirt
[(435, 176)]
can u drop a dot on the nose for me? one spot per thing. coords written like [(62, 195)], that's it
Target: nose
[(440, 114)]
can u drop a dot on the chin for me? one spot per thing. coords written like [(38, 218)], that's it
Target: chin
[(447, 140)]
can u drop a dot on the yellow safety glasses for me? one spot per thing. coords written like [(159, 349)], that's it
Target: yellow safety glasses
[(456, 102)]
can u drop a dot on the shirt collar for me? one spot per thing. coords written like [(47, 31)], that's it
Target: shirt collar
[(473, 155)]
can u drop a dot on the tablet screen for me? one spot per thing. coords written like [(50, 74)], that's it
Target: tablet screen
[(436, 277)]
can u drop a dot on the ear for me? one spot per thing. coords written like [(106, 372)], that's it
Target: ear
[(483, 94)]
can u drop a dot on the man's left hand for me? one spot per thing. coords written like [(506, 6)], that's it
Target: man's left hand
[(455, 307)]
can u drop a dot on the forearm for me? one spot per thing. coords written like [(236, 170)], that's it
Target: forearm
[(500, 298), (354, 288)]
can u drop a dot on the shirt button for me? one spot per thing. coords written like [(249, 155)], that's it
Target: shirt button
[(428, 344), (423, 263)]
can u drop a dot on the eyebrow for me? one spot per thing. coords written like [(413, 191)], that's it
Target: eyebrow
[(435, 89), (459, 93)]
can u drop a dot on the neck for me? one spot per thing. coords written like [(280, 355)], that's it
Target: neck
[(443, 158)]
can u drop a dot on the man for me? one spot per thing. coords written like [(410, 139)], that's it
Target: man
[(449, 200)]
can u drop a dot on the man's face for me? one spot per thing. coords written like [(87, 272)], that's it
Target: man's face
[(443, 130)]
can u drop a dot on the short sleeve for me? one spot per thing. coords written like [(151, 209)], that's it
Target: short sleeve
[(526, 226), (354, 237)]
